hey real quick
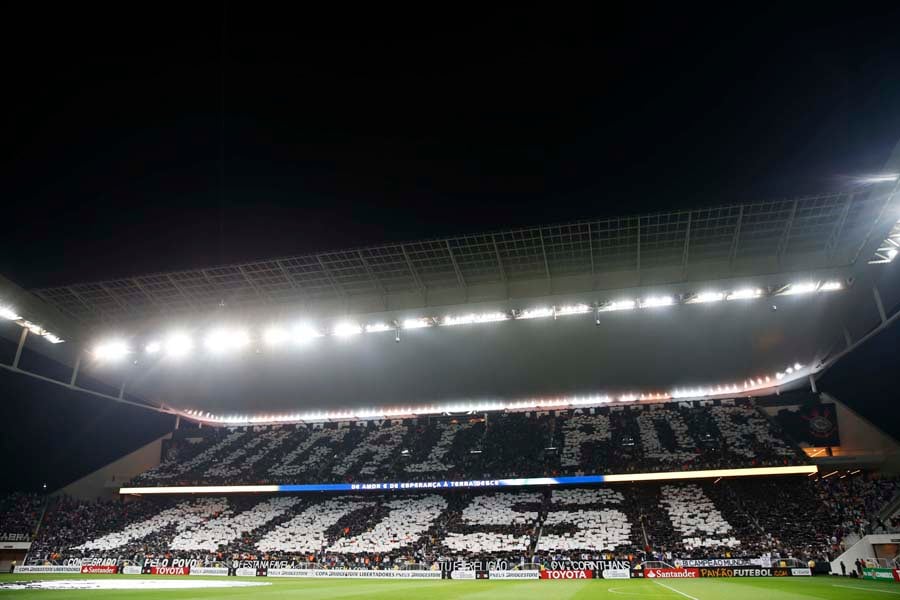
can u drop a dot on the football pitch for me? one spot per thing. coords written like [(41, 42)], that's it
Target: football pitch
[(155, 587)]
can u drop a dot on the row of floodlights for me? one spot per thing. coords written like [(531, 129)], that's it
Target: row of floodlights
[(226, 340), (11, 315), (566, 402)]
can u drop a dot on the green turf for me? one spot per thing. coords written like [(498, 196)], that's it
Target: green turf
[(315, 589)]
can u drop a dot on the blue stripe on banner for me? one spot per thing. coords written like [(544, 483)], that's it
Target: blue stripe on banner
[(315, 487)]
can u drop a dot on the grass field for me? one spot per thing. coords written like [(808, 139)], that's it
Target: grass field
[(316, 589)]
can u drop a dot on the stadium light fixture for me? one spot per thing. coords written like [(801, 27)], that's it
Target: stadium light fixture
[(704, 297), (111, 351), (880, 178), (221, 341), (417, 323), (303, 332), (744, 294), (153, 347), (178, 345), (803, 287), (276, 336), (53, 339), (831, 286), (535, 313), (618, 305), (346, 329), (9, 314), (572, 309), (655, 301), (378, 327), (491, 317)]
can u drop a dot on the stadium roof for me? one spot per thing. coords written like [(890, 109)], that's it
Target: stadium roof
[(799, 235), (839, 241)]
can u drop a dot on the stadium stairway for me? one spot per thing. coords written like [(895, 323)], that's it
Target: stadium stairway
[(860, 550)]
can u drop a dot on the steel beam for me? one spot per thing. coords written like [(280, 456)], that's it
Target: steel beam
[(736, 240), (413, 271), (459, 275), (22, 337)]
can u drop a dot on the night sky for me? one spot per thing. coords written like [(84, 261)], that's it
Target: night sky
[(169, 136)]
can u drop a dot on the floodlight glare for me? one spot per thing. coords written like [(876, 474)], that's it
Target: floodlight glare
[(573, 309), (805, 287), (880, 178), (744, 293), (653, 302), (418, 323), (705, 297), (178, 345), (111, 351), (226, 340), (304, 332), (474, 318), (892, 253), (831, 286), (9, 314), (618, 305), (53, 339), (378, 327), (275, 336), (346, 329), (535, 313), (153, 347)]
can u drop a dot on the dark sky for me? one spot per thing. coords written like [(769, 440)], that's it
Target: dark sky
[(353, 128)]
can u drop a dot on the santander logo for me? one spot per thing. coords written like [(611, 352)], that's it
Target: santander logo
[(671, 573)]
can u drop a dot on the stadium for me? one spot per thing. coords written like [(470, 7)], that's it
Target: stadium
[(642, 404)]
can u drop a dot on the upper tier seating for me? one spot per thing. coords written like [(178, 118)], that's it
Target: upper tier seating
[(613, 439)]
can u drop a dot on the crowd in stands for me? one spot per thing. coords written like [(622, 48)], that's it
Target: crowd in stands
[(782, 517), (19, 514), (857, 501), (621, 439)]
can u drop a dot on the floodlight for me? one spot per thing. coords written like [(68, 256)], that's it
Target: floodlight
[(178, 345), (346, 329), (744, 293), (378, 327), (653, 302), (275, 336), (53, 339), (704, 297), (892, 253), (535, 313), (153, 347), (831, 286), (618, 305), (804, 287), (417, 323), (880, 178), (111, 351), (474, 318), (9, 314), (304, 332), (573, 309), (220, 341)]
